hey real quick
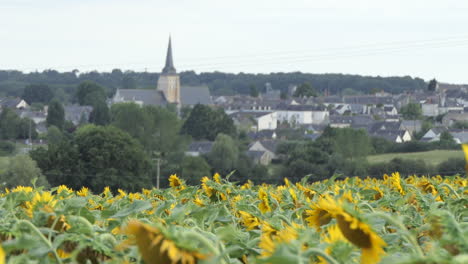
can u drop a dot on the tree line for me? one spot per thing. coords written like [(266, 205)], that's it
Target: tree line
[(63, 84)]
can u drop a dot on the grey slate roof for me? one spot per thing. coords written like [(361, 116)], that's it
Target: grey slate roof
[(192, 95), (390, 135), (269, 144), (73, 113), (147, 96), (10, 102), (263, 134)]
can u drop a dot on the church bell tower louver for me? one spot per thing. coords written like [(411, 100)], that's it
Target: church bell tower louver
[(169, 81)]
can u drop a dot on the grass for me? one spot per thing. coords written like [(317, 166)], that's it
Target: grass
[(433, 157), (4, 161)]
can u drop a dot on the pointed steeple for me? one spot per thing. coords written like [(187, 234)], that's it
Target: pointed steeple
[(169, 67)]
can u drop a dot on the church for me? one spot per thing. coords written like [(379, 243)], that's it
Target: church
[(169, 90)]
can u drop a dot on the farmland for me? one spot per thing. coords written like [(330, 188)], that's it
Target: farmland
[(393, 220), (433, 157)]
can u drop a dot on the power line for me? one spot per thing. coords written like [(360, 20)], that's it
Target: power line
[(310, 54)]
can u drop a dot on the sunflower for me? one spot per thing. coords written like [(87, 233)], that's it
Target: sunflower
[(83, 192), (264, 205), (269, 240), (248, 220), (2, 255), (45, 200), (321, 212), (332, 236), (156, 247), (217, 178), (361, 235), (176, 183)]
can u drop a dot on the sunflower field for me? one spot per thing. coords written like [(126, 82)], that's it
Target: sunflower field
[(392, 220)]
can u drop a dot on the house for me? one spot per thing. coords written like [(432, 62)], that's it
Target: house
[(260, 157), (254, 120), (36, 116), (262, 135), (264, 145), (390, 110), (430, 109), (77, 113), (460, 137), (338, 121), (302, 114), (433, 134), (198, 148), (13, 103), (450, 118), (390, 135), (412, 126), (343, 108)]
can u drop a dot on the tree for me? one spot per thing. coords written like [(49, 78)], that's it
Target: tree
[(55, 114), (253, 90), (128, 82), (206, 123), (305, 90), (224, 154), (37, 93), (9, 122), (411, 111), (130, 118), (100, 114), (90, 93), (194, 168), (96, 157), (432, 86), (21, 171), (446, 140), (54, 135)]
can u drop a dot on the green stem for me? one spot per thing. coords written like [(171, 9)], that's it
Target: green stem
[(41, 236), (368, 206), (451, 189), (409, 238), (322, 254)]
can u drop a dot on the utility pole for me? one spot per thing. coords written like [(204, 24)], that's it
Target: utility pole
[(158, 172), (30, 140)]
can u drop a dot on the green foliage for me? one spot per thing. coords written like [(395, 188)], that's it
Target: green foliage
[(100, 114), (432, 85), (460, 125), (411, 111), (90, 93), (6, 148), (37, 93), (253, 91), (54, 135), (194, 168), (206, 123), (305, 90), (224, 154), (404, 166), (55, 114), (348, 142), (97, 157), (14, 127), (21, 171), (452, 166)]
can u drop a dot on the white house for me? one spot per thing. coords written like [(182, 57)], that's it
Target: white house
[(255, 120), (429, 109), (267, 121)]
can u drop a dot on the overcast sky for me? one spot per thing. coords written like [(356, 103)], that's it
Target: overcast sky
[(424, 38)]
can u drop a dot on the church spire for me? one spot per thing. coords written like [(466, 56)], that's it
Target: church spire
[(169, 67)]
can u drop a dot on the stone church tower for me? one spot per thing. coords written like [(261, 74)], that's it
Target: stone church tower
[(169, 82)]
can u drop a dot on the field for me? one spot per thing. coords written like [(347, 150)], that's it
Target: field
[(394, 220), (433, 157)]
